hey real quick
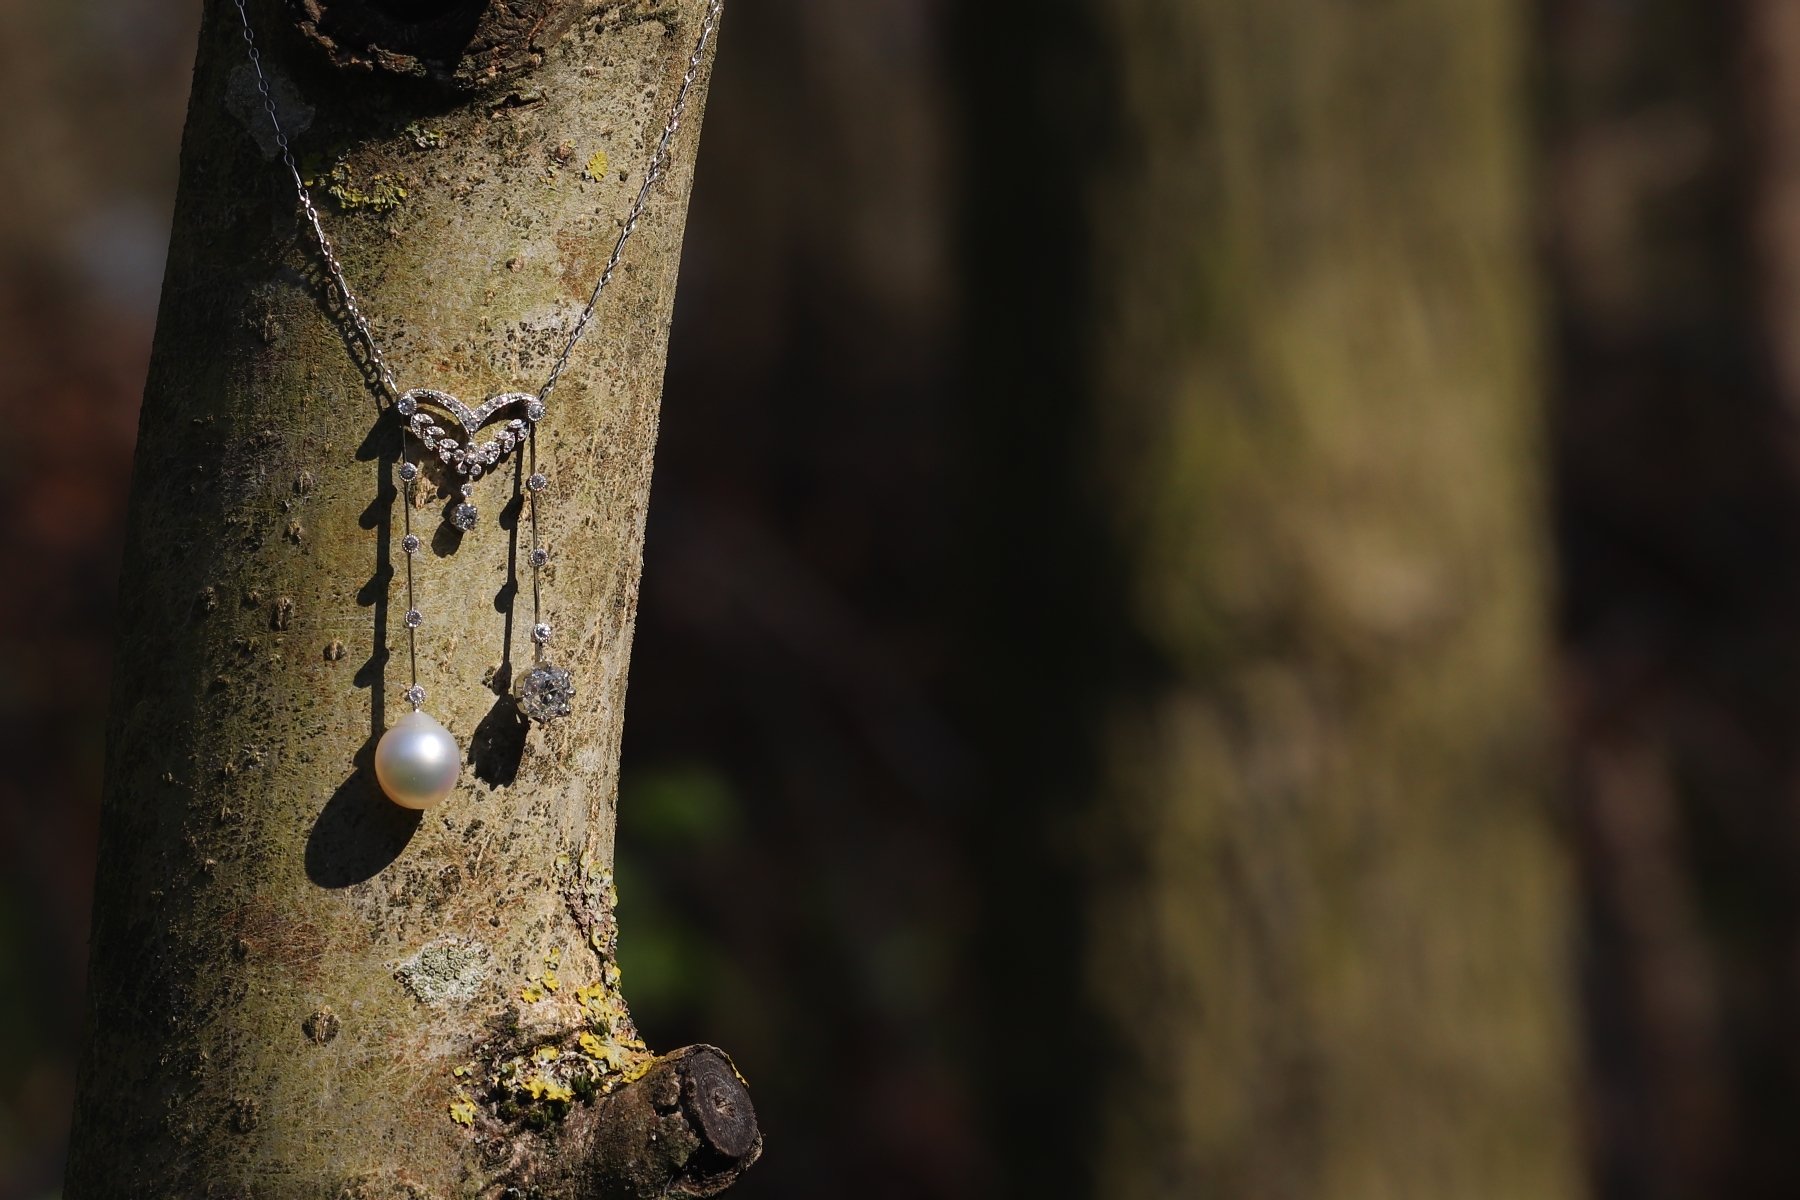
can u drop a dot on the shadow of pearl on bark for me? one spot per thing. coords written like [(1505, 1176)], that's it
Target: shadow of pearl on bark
[(360, 832)]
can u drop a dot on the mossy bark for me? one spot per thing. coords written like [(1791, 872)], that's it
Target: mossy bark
[(1330, 917), (298, 989)]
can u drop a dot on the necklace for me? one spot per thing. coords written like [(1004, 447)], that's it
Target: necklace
[(417, 761)]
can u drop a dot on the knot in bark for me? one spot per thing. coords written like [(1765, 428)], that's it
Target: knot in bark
[(462, 43)]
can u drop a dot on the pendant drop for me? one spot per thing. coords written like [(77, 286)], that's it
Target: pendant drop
[(417, 761), (545, 692)]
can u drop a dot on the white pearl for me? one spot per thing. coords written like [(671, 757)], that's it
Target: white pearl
[(417, 761)]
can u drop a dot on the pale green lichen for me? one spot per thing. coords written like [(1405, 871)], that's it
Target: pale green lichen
[(449, 970)]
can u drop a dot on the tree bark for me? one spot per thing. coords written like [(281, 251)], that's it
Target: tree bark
[(298, 989), (1329, 919)]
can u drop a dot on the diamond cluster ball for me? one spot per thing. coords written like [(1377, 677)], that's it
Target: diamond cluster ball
[(546, 692)]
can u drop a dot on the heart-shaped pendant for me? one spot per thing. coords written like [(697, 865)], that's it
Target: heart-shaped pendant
[(465, 456)]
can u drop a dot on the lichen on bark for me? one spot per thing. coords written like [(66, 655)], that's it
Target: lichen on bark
[(275, 1011)]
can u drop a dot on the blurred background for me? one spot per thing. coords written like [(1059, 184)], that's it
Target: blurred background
[(1222, 604)]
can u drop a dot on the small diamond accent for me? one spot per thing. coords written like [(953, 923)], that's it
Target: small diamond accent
[(534, 410), (515, 425), (468, 489), (421, 420), (538, 481), (411, 543), (408, 472), (407, 405), (414, 618), (415, 695), (545, 692), (446, 450), (540, 557), (540, 633), (464, 516)]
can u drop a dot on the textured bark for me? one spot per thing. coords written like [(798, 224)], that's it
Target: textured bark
[(1330, 917), (298, 989)]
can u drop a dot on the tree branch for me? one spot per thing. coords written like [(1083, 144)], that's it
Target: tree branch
[(685, 1127)]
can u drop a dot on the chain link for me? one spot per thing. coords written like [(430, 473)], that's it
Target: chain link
[(312, 214), (653, 174)]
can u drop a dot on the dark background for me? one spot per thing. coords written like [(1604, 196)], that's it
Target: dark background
[(820, 832)]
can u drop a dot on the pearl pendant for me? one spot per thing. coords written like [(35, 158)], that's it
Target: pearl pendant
[(417, 761)]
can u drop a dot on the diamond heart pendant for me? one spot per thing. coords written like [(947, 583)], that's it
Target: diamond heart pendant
[(468, 458)]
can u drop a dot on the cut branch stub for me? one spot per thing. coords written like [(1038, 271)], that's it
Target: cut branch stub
[(685, 1128), (465, 43)]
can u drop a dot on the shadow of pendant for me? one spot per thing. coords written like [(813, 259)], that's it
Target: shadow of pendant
[(498, 744)]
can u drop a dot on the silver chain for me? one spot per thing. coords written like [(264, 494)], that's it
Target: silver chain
[(654, 172), (312, 213)]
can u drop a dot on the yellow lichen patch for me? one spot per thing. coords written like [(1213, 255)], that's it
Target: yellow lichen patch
[(462, 1112), (590, 1045), (464, 1071), (546, 1054), (542, 1087), (383, 193), (551, 982), (554, 958), (590, 997), (531, 993), (595, 170)]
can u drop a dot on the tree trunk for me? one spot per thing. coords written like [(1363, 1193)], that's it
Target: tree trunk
[(299, 989), (1676, 256), (1329, 919)]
